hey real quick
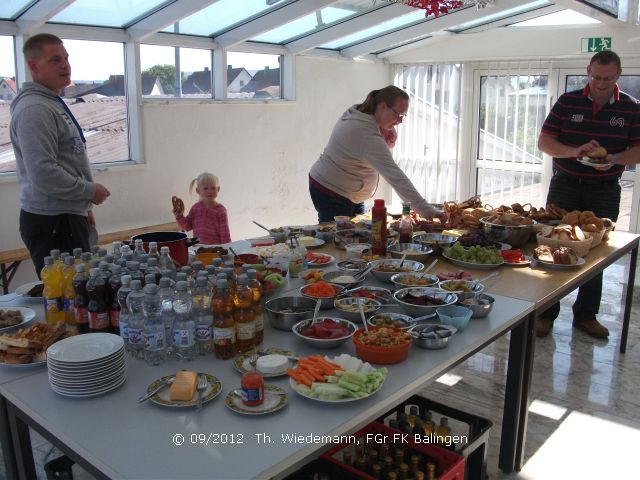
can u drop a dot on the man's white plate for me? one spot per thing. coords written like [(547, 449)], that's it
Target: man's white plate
[(562, 266), (589, 163), (27, 316)]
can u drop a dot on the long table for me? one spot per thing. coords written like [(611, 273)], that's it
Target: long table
[(108, 435)]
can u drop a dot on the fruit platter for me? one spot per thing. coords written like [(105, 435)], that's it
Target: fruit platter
[(319, 259), (479, 258), (343, 378)]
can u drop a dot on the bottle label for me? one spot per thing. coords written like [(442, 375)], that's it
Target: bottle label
[(114, 317), (124, 329), (68, 304), (82, 315), (154, 341), (98, 320), (53, 305), (203, 332), (183, 338), (246, 331), (259, 322), (224, 336), (135, 336)]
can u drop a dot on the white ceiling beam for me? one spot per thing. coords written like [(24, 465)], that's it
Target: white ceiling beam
[(82, 32), (438, 37), (166, 16), (39, 14), (427, 28), (348, 27), (270, 21), (590, 12), (521, 17), (8, 28), (184, 41)]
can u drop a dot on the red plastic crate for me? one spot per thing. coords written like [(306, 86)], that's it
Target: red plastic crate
[(449, 465)]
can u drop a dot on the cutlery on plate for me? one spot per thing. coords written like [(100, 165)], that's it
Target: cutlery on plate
[(203, 383), (150, 394)]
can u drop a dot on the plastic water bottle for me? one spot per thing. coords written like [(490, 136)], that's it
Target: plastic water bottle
[(153, 250), (184, 327), (152, 269), (165, 262), (155, 347), (166, 297), (135, 300), (138, 249), (134, 271), (203, 316), (123, 318)]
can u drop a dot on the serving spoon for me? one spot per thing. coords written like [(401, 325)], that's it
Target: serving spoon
[(261, 226), (426, 270)]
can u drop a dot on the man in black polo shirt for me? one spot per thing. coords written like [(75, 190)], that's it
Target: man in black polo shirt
[(598, 115)]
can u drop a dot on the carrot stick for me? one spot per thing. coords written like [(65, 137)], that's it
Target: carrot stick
[(306, 379)]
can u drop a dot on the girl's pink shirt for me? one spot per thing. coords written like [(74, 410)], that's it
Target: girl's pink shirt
[(209, 224)]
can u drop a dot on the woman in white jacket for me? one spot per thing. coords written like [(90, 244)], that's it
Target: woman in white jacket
[(346, 174)]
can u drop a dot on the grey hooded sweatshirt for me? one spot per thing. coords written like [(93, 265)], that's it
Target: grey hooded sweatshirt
[(51, 158), (353, 158)]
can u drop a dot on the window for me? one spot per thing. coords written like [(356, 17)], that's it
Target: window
[(260, 75), (8, 90), (159, 79), (114, 13)]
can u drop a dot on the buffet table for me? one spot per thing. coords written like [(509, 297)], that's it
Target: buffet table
[(107, 435)]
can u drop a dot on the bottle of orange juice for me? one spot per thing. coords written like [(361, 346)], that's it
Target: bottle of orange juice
[(53, 304)]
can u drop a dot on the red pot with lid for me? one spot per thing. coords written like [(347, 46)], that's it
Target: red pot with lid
[(178, 243)]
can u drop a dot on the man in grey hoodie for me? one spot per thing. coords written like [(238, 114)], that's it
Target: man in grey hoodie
[(57, 190)]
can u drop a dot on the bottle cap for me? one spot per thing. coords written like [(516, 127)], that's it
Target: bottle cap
[(108, 258), (153, 244), (69, 260), (80, 268), (181, 277), (378, 202), (94, 272), (55, 253), (86, 256), (201, 281), (152, 262), (94, 263), (64, 255), (164, 250), (150, 279), (151, 289), (222, 283), (48, 260), (136, 284), (252, 273), (126, 279), (186, 269), (181, 286), (165, 282), (77, 252), (116, 270), (242, 279)]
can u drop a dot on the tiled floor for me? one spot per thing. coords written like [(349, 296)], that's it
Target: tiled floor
[(584, 421)]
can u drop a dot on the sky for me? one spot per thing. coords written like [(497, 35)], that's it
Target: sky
[(98, 60)]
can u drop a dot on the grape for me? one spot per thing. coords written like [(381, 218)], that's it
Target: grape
[(474, 254)]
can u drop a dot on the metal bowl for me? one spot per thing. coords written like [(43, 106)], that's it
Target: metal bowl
[(383, 295), (437, 241), (391, 319), (404, 280), (324, 342), (384, 276), (473, 288), (325, 302), (281, 319), (480, 309), (332, 276), (432, 337), (414, 251), (419, 310), (514, 235), (344, 305), (344, 237), (354, 265), (455, 315)]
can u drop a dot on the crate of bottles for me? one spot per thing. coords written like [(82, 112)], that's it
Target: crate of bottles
[(381, 452), (471, 431)]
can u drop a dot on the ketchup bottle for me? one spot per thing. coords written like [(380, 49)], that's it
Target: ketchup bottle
[(379, 228)]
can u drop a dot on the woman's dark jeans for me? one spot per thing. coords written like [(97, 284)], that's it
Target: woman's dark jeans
[(329, 206)]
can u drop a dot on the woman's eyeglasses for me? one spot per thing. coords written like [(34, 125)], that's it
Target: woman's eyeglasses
[(398, 114)]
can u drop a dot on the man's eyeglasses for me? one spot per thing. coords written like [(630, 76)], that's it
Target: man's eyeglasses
[(398, 114), (596, 78)]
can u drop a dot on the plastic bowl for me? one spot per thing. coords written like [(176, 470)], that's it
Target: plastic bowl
[(437, 241), (455, 315), (514, 235), (415, 251), (324, 342), (379, 354), (455, 286), (325, 302), (279, 318), (332, 276), (480, 309), (385, 276), (404, 280), (391, 319), (344, 305), (432, 337), (416, 310)]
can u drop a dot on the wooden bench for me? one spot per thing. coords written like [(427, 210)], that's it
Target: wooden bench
[(10, 259)]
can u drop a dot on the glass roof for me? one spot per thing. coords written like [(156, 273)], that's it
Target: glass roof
[(317, 21), (384, 27), (563, 17), (111, 13), (220, 16), (10, 8), (500, 15)]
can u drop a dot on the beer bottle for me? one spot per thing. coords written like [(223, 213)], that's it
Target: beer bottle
[(431, 471), (413, 412), (98, 313)]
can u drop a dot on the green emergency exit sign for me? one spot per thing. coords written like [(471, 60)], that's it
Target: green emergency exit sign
[(596, 44)]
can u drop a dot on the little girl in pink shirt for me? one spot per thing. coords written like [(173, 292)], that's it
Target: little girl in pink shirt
[(207, 218)]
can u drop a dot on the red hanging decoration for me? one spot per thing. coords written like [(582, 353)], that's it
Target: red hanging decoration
[(434, 7)]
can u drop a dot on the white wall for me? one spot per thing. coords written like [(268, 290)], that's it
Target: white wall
[(261, 153)]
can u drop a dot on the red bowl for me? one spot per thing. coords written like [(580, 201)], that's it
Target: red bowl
[(380, 354)]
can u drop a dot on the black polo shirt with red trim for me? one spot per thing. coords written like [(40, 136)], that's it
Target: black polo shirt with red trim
[(575, 120)]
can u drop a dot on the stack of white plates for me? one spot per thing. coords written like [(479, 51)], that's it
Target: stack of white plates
[(86, 365)]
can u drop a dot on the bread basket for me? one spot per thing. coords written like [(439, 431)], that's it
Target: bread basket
[(581, 247), (597, 237)]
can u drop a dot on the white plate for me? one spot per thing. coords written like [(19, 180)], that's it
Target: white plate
[(22, 290), (292, 382), (525, 263), (163, 398), (85, 348), (88, 393), (242, 365), (86, 371), (88, 385), (314, 264), (504, 246), (27, 316), (275, 398), (476, 266), (587, 161), (87, 366), (562, 266), (318, 242)]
